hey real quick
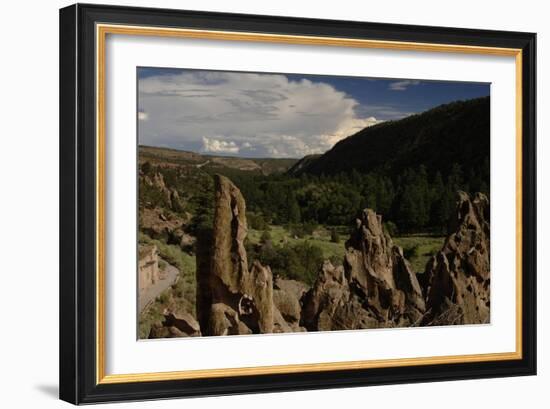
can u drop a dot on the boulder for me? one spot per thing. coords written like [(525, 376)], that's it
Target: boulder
[(175, 326), (224, 320), (457, 278), (287, 295), (184, 322), (160, 331)]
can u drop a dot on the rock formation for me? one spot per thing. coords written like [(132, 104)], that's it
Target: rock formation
[(287, 296), (332, 305), (175, 326), (458, 277), (376, 286), (148, 266), (231, 297), (166, 227), (171, 196)]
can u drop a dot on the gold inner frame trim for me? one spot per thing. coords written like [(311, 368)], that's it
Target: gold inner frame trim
[(102, 30)]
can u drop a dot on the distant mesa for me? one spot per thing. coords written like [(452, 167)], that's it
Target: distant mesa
[(168, 157)]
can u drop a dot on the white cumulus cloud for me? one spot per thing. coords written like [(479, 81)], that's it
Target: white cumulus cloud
[(218, 146), (245, 113)]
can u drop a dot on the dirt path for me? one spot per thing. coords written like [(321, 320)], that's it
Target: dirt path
[(152, 292)]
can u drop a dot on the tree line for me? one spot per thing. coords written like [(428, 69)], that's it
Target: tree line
[(413, 201)]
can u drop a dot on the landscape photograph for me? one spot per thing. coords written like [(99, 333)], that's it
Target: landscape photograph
[(282, 203)]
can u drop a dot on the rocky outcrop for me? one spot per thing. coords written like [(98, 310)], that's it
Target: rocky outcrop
[(176, 326), (377, 268), (167, 227), (376, 286), (332, 305), (171, 196), (148, 266), (234, 299), (287, 299), (458, 277)]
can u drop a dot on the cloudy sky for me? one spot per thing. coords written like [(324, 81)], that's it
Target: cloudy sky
[(275, 115)]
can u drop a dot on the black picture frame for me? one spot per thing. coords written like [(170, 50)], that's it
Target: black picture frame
[(78, 258)]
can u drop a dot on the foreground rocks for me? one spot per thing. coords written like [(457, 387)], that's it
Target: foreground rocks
[(176, 326), (287, 298), (376, 286), (458, 277)]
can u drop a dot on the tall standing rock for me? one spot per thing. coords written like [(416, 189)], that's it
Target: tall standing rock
[(231, 298), (376, 267), (458, 277), (375, 288)]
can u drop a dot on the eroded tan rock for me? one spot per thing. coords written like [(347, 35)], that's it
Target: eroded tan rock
[(376, 286), (287, 296), (458, 277), (234, 298), (177, 325)]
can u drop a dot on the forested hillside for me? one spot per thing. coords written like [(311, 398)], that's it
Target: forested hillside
[(438, 138)]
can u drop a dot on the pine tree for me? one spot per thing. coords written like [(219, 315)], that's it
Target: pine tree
[(294, 214)]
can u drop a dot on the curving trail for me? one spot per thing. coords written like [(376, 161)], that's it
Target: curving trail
[(152, 292)]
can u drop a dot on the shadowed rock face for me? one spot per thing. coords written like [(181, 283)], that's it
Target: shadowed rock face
[(233, 298), (458, 277), (375, 287)]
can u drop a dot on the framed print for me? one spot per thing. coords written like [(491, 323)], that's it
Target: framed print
[(257, 203)]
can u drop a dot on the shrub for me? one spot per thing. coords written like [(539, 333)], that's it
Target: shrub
[(390, 228), (265, 237), (304, 262), (411, 252), (147, 168), (296, 230), (163, 298), (256, 221), (334, 236), (309, 227), (301, 230), (300, 261)]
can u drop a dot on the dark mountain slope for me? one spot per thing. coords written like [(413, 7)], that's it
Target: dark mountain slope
[(458, 132)]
